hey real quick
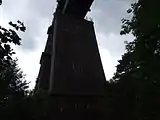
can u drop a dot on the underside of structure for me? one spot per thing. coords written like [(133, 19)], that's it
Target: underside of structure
[(76, 8)]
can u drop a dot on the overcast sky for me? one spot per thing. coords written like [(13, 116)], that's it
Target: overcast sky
[(37, 15)]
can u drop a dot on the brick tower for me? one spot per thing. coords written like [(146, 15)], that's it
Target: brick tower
[(71, 69)]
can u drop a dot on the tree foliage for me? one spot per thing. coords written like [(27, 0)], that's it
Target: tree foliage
[(14, 99), (8, 36), (137, 77), (11, 77), (13, 87)]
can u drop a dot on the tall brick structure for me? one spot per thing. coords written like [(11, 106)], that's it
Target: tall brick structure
[(71, 69)]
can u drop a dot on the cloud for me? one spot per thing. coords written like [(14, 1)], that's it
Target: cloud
[(29, 64), (107, 14), (108, 62), (113, 42), (37, 15), (44, 8), (111, 47)]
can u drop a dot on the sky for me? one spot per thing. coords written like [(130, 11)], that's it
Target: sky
[(37, 16)]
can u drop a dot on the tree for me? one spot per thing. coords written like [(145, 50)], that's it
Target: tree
[(13, 89), (137, 77), (7, 37), (11, 76), (11, 80), (14, 97), (16, 101)]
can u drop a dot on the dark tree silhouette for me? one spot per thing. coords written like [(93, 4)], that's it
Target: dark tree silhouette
[(14, 100), (7, 37), (10, 76), (135, 86), (13, 88)]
